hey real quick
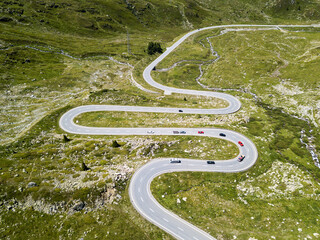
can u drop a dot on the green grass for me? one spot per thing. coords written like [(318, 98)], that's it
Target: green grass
[(280, 67), (213, 201), (129, 119), (36, 86), (115, 222), (132, 97), (42, 156), (215, 204)]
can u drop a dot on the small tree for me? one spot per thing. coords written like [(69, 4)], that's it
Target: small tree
[(185, 99), (66, 139), (154, 47), (84, 167), (115, 144)]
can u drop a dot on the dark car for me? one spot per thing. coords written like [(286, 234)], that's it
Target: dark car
[(211, 162), (175, 160), (222, 134), (201, 132), (240, 143), (175, 132), (183, 132), (240, 159), (180, 110)]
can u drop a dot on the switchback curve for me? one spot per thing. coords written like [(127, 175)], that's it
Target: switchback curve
[(139, 189)]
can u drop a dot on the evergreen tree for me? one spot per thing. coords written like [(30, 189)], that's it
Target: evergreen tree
[(66, 139), (115, 144), (154, 47), (84, 167)]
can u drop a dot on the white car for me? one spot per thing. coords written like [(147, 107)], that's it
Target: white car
[(151, 132), (175, 160)]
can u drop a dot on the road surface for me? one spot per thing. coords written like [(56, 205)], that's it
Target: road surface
[(139, 189)]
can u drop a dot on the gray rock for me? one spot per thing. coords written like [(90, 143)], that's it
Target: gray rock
[(32, 184), (79, 206)]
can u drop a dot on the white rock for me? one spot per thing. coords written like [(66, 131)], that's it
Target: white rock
[(178, 201)]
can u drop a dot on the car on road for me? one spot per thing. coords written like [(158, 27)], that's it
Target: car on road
[(240, 143), (211, 162), (175, 160), (150, 132), (222, 134), (183, 132), (201, 132), (175, 132), (180, 110), (240, 159)]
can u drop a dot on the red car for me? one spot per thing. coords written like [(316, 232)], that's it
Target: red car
[(201, 132), (240, 143)]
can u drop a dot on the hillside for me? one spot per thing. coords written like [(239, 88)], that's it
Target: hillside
[(57, 55)]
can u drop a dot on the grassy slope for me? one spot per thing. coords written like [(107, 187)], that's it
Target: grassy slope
[(258, 59), (96, 28)]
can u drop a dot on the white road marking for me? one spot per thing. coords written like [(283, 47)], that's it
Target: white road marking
[(234, 105), (180, 229), (151, 209), (165, 219)]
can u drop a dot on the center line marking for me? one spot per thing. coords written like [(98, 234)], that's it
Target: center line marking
[(165, 219)]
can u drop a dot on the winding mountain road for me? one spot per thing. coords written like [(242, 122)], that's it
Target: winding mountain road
[(139, 189)]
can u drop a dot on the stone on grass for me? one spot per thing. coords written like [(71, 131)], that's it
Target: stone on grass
[(79, 206), (32, 184)]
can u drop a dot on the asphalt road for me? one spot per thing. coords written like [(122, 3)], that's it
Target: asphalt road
[(139, 189)]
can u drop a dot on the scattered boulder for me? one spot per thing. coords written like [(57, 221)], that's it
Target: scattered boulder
[(32, 184), (110, 195), (78, 207), (5, 19)]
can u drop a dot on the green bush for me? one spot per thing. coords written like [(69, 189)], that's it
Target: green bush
[(154, 47)]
